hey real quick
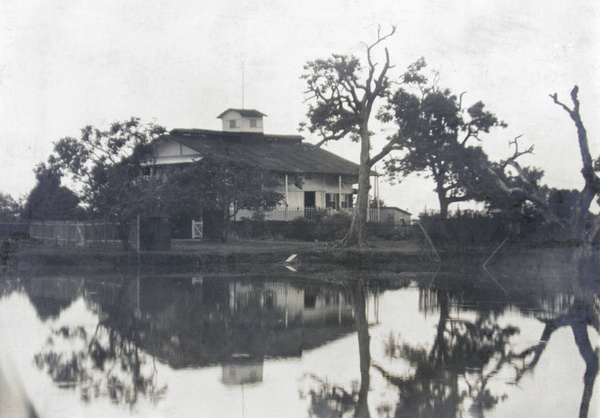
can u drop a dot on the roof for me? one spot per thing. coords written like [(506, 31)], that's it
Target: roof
[(277, 153), (396, 209), (249, 113)]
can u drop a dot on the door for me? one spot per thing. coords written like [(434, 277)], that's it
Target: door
[(310, 201)]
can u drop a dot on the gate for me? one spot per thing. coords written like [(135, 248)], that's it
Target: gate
[(197, 229), (80, 238)]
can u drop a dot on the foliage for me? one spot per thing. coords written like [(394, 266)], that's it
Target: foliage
[(49, 200), (221, 185), (9, 209), (435, 132), (218, 183), (342, 92), (105, 168)]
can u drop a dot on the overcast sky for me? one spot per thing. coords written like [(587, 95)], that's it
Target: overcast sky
[(68, 64)]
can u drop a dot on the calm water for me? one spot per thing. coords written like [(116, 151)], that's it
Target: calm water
[(407, 344)]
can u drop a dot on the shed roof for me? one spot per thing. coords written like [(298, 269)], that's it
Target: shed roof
[(278, 153), (248, 113)]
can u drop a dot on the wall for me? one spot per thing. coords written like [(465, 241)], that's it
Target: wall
[(242, 124), (321, 184), (394, 216), (172, 152)]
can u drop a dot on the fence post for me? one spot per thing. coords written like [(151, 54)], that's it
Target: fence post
[(93, 238)]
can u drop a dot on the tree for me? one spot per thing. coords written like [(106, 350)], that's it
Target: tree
[(106, 169), (513, 181), (9, 209), (343, 94), (220, 185), (103, 165), (435, 132), (49, 200), (586, 226)]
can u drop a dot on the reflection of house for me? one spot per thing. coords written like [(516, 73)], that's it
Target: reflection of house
[(289, 304), (215, 319), (240, 370), (211, 321), (308, 177)]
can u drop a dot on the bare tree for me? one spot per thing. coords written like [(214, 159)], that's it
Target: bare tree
[(512, 180), (585, 230), (342, 96)]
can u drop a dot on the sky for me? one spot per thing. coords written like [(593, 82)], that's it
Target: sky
[(68, 64)]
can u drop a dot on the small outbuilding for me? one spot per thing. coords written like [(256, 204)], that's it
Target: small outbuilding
[(394, 216)]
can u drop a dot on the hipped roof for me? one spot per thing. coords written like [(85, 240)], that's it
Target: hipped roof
[(277, 153)]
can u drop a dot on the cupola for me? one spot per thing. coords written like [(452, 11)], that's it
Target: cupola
[(242, 120)]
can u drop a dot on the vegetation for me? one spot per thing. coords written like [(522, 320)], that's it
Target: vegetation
[(9, 209), (105, 168), (342, 95), (436, 133), (49, 199), (220, 187)]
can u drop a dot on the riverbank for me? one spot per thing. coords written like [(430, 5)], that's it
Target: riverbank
[(218, 256)]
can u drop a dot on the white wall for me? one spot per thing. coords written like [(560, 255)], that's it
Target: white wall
[(242, 123), (318, 183), (172, 152)]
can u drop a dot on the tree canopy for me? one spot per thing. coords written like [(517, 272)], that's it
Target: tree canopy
[(9, 209), (440, 137), (221, 185), (342, 92), (105, 168), (49, 199)]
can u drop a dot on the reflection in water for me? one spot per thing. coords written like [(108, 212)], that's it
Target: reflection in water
[(471, 351), (452, 376), (474, 352), (456, 348), (327, 400), (105, 361)]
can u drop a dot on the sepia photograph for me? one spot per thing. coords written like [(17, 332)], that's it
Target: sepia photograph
[(299, 209)]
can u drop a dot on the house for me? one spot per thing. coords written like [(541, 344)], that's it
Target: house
[(309, 178)]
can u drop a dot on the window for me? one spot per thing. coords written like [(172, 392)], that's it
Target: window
[(332, 200), (346, 201), (233, 124), (253, 123)]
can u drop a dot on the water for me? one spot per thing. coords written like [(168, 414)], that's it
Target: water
[(347, 344)]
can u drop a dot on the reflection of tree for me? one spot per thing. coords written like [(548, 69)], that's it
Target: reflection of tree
[(583, 313), (478, 350), (335, 401), (331, 400), (108, 362)]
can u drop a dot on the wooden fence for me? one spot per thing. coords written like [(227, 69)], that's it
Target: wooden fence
[(82, 234)]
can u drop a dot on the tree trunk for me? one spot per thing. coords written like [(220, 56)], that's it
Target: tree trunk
[(443, 203), (226, 225), (356, 234), (591, 361), (364, 340)]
